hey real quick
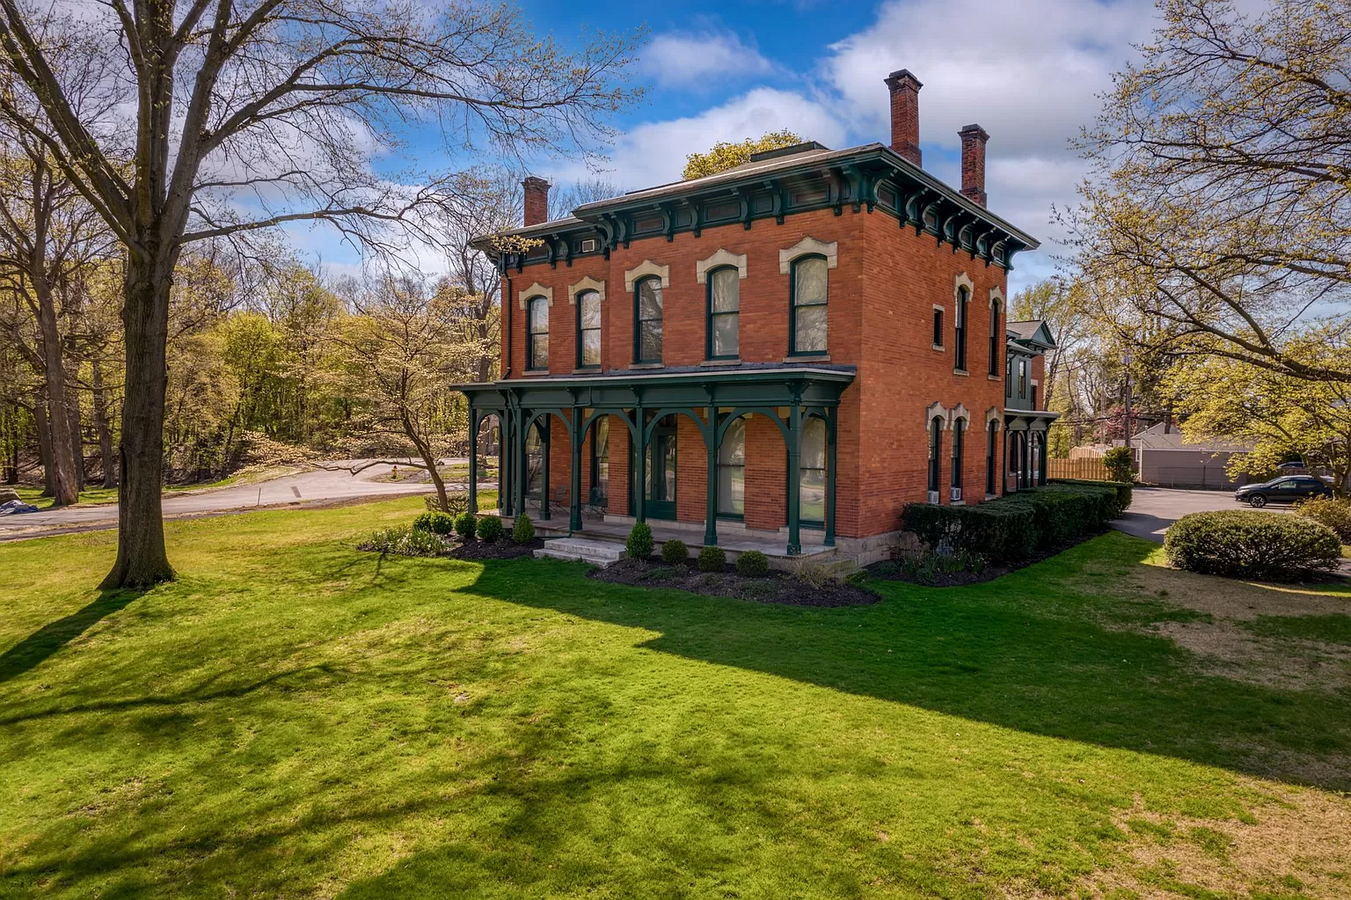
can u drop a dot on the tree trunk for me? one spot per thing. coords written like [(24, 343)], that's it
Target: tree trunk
[(44, 442), (63, 461), (103, 426), (141, 557)]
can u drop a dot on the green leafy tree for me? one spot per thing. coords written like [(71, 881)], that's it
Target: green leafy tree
[(728, 155)]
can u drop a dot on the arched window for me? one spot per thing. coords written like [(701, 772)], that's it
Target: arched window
[(724, 306), (959, 327), (732, 470), (537, 333), (994, 338), (935, 453), (812, 472), (990, 451), (808, 324), (958, 431), (588, 330), (647, 303), (600, 461)]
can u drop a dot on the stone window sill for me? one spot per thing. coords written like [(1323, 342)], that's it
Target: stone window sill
[(586, 370), (938, 347), (807, 358), (648, 365), (993, 378), (961, 372), (735, 361)]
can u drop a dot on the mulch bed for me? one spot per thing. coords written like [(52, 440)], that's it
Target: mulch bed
[(776, 587), (505, 548), (890, 569)]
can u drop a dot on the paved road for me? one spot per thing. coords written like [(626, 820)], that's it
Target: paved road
[(1154, 509), (320, 485)]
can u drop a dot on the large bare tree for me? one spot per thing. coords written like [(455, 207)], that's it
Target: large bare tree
[(253, 114), (1220, 205)]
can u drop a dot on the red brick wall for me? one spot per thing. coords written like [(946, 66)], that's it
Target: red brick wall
[(882, 294), (1039, 376)]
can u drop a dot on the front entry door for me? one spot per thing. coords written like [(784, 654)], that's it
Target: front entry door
[(661, 470)]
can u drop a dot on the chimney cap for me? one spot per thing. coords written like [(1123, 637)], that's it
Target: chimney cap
[(900, 76), (974, 130), (535, 181)]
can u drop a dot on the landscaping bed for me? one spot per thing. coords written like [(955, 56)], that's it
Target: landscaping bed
[(932, 570), (775, 587), (504, 548)]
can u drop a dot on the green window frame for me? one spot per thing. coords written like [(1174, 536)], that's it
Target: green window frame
[(722, 326), (812, 472), (732, 471), (537, 334), (647, 320), (588, 330), (809, 291)]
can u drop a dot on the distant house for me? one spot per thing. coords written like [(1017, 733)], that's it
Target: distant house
[(1167, 458)]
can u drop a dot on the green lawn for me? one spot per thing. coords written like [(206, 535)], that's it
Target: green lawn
[(293, 718)]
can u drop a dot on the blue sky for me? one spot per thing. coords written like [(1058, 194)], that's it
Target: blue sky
[(1029, 71)]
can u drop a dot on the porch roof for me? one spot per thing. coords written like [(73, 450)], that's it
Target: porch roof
[(764, 384)]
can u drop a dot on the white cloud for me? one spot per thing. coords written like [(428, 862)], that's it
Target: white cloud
[(701, 59), (654, 153)]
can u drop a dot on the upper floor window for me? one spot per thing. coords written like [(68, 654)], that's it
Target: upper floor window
[(1022, 377), (588, 329), (647, 309), (808, 324), (1033, 404), (537, 333), (959, 327), (724, 312), (938, 328), (994, 338)]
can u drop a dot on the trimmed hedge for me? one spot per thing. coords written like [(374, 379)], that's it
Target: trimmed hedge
[(435, 522), (674, 551), (1125, 491), (490, 529), (752, 563), (1014, 527), (712, 559), (466, 523), (1251, 544)]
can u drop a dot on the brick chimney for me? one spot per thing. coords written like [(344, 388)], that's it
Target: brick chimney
[(536, 200), (973, 162), (904, 89)]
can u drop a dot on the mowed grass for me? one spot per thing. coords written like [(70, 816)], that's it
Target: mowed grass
[(293, 718)]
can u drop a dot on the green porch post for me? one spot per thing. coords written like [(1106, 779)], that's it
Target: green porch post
[(711, 508), (831, 426), (546, 446), (575, 485), (640, 500), (473, 460), (503, 464), (795, 479)]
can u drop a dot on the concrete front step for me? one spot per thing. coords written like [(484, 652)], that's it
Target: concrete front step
[(598, 553)]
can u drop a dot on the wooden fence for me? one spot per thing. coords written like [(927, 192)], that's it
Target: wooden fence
[(1089, 469)]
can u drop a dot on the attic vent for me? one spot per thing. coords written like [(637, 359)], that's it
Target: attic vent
[(588, 245), (803, 147)]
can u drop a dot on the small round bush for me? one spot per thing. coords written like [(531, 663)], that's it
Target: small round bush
[(712, 559), (674, 551), (523, 532), (1329, 511), (752, 564), (640, 544), (435, 522), (1245, 544), (466, 523), (490, 529)]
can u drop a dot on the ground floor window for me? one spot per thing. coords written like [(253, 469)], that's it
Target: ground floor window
[(732, 470), (958, 429), (812, 472), (600, 462), (990, 453), (534, 462), (935, 452)]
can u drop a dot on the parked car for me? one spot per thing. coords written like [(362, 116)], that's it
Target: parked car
[(1290, 466), (1288, 489)]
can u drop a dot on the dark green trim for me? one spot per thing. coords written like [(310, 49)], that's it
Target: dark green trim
[(793, 307)]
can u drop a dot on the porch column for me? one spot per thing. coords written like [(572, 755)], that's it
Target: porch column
[(711, 508), (795, 479), (640, 499), (503, 463), (831, 425), (473, 460), (575, 484), (545, 446)]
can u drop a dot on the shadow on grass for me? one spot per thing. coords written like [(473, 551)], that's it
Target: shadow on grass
[(30, 652), (1056, 649)]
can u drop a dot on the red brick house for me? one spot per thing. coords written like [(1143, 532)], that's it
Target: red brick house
[(793, 349)]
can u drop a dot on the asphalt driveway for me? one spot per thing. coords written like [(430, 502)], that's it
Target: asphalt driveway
[(1154, 509)]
